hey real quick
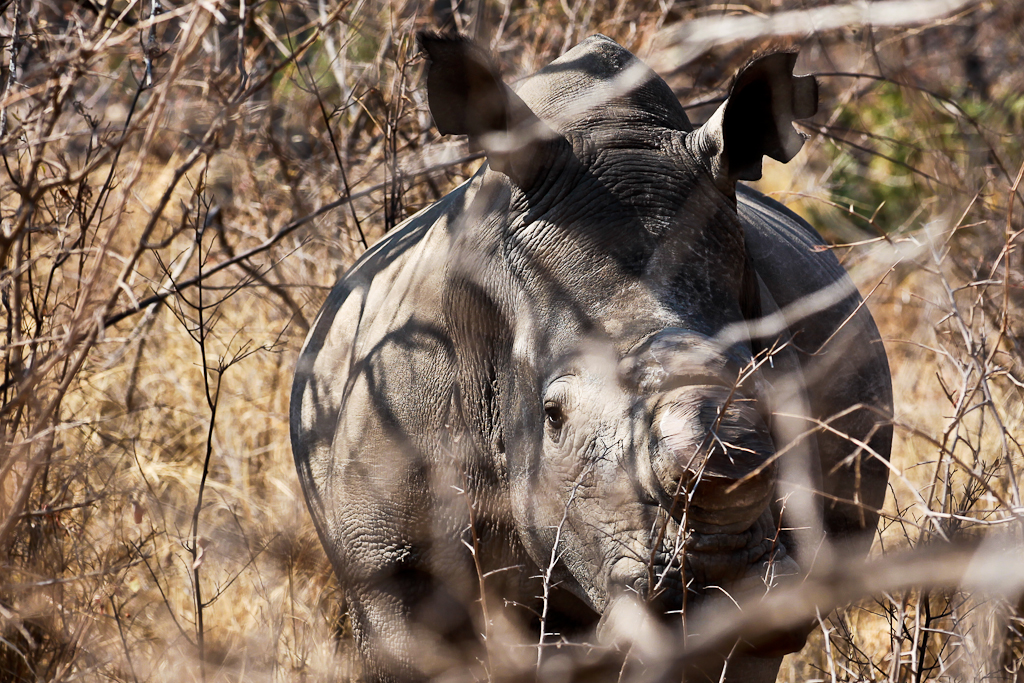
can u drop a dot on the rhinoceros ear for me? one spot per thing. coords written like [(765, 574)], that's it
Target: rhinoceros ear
[(757, 119), (467, 97)]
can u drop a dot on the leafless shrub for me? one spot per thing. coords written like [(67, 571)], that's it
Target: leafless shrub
[(177, 178)]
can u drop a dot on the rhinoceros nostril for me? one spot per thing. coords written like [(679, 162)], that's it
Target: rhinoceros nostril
[(712, 445)]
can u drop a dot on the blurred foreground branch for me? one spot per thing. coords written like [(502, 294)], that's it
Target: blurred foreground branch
[(993, 567), (680, 44)]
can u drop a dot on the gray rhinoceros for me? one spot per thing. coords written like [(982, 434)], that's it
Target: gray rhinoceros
[(599, 368)]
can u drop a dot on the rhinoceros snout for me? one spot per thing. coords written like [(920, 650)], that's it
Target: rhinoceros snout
[(713, 456)]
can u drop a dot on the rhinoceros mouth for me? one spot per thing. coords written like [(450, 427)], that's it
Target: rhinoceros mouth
[(741, 564)]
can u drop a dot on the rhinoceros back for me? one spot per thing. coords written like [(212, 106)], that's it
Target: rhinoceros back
[(841, 355)]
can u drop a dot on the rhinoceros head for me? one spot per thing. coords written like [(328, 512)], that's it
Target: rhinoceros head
[(627, 415)]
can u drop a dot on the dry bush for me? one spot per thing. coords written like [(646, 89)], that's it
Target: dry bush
[(183, 183)]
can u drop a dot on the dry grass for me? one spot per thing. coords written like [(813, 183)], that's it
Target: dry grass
[(167, 225)]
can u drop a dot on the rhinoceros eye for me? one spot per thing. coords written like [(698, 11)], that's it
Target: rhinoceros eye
[(553, 415)]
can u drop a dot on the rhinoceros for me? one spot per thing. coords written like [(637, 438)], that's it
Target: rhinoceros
[(601, 368)]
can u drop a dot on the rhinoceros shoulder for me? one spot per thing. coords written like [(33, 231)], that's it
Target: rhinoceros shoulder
[(381, 322)]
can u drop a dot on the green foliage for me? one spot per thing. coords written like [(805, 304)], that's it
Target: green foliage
[(897, 149), (876, 163)]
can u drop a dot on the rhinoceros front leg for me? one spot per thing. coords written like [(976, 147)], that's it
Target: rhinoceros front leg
[(409, 626), (398, 555), (415, 602)]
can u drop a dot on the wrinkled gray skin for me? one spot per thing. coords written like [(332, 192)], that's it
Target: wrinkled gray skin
[(560, 351)]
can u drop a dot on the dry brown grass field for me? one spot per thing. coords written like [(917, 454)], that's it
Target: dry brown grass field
[(183, 182)]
